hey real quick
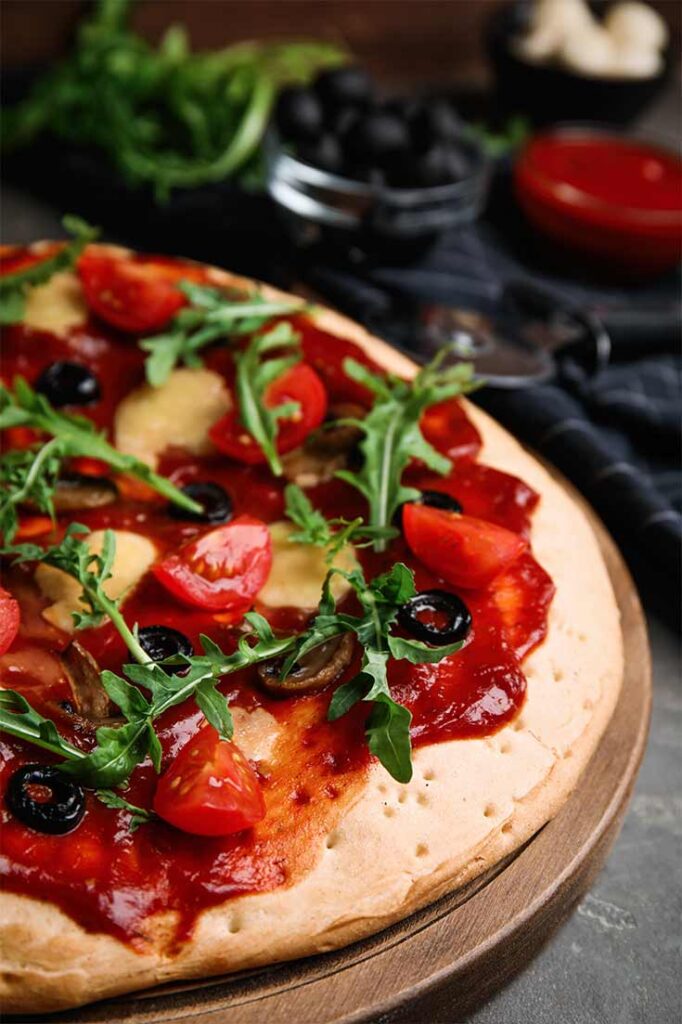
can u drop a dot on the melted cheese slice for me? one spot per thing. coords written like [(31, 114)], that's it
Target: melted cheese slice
[(56, 306), (255, 732), (134, 555), (298, 571), (177, 414)]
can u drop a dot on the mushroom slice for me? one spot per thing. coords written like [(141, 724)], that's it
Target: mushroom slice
[(326, 449), (90, 697), (76, 491), (317, 669)]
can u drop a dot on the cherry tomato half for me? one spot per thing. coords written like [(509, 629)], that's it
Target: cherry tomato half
[(465, 551), (299, 384), (133, 295), (223, 569), (210, 788), (9, 620)]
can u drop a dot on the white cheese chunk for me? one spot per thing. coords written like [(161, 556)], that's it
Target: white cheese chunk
[(255, 732), (177, 414), (57, 305), (298, 571), (134, 555)]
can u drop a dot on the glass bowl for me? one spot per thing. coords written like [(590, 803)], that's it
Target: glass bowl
[(315, 201)]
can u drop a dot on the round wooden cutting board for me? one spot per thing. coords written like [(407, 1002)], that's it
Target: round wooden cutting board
[(441, 962)]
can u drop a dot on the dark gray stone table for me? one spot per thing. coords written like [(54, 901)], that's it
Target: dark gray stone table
[(617, 960)]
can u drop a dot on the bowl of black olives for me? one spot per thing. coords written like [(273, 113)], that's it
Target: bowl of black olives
[(339, 156)]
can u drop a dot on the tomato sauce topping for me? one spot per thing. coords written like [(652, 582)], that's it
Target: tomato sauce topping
[(111, 880)]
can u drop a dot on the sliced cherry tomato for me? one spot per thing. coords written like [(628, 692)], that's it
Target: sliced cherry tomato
[(210, 788), (133, 295), (465, 551), (299, 384), (447, 427), (223, 569), (34, 526), (9, 620)]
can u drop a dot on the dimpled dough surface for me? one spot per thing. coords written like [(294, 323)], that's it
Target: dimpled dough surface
[(470, 802)]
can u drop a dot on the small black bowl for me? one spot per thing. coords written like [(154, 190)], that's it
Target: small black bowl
[(547, 94)]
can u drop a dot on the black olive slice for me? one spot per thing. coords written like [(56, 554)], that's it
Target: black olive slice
[(216, 503), (439, 499), (64, 383), (45, 799), (438, 602), (161, 642)]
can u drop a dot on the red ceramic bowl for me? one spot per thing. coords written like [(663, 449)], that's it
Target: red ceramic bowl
[(614, 199)]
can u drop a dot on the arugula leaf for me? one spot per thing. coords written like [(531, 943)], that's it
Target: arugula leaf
[(31, 476), (138, 815), (18, 718), (15, 287), (212, 315), (316, 529), (393, 436), (254, 375)]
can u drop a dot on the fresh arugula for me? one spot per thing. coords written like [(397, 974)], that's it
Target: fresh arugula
[(255, 373), (211, 315), (332, 534), (138, 815), (393, 436), (31, 475), (18, 718), (14, 287)]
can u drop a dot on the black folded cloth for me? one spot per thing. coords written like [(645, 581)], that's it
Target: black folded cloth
[(616, 434)]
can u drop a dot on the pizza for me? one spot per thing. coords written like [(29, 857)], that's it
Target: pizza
[(294, 638)]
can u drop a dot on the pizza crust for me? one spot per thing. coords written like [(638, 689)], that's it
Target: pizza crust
[(470, 802)]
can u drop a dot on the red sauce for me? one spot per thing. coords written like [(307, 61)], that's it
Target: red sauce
[(109, 880), (612, 197)]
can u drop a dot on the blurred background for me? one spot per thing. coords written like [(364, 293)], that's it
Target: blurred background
[(502, 178)]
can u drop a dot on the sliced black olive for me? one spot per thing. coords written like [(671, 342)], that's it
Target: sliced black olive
[(344, 86), (64, 383), (45, 799), (161, 642), (216, 503), (299, 114), (436, 603), (317, 669), (439, 499), (75, 491)]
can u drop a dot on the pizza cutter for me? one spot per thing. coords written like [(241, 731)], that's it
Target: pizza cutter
[(520, 345)]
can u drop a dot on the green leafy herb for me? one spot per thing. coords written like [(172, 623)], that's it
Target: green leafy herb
[(18, 718), (212, 315), (163, 115), (32, 476), (138, 815), (332, 534), (393, 436), (14, 287), (254, 375)]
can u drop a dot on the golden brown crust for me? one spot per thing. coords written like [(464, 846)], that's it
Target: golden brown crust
[(470, 803)]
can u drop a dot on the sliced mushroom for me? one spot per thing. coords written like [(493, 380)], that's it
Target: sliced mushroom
[(317, 669), (76, 491), (325, 450), (90, 698)]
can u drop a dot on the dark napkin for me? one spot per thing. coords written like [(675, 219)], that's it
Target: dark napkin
[(616, 434)]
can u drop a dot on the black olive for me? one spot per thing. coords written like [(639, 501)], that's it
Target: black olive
[(377, 138), (64, 383), (299, 114), (435, 122), (324, 153), (216, 503), (344, 86), (59, 813), (439, 499), (161, 642), (440, 602)]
